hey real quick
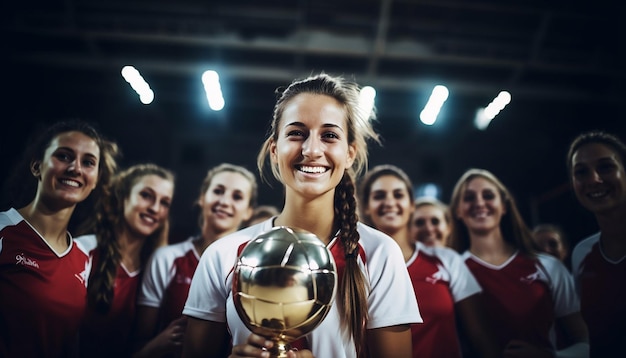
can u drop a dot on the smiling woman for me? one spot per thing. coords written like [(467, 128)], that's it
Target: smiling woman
[(597, 172), (130, 223), (317, 142), (226, 198), (42, 271), (526, 293)]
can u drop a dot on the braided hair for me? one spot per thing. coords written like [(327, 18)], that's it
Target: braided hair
[(352, 292), (108, 223)]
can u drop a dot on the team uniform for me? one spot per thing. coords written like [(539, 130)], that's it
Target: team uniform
[(524, 295), (440, 279), (601, 283), (391, 300), (108, 335), (42, 293), (167, 279)]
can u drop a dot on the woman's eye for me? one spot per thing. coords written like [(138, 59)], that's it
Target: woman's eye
[(606, 168), (64, 157), (295, 133), (89, 163), (330, 135), (378, 196), (489, 196)]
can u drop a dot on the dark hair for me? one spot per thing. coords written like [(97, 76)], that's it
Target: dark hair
[(372, 175), (109, 222), (352, 293), (21, 186), (227, 167), (596, 136), (514, 229)]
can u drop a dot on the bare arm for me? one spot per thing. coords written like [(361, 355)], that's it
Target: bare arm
[(390, 342), (146, 344), (145, 326), (206, 339), (479, 332), (574, 327)]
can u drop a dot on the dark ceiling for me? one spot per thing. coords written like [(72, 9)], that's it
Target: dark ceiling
[(562, 61)]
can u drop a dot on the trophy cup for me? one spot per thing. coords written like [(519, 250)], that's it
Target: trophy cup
[(284, 285)]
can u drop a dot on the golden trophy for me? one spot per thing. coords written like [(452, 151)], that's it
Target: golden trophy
[(284, 285)]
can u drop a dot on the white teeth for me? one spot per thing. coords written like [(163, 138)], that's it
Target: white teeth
[(597, 194), (312, 169), (149, 218), (70, 183)]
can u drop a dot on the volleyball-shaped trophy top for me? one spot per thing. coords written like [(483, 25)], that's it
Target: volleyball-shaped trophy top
[(284, 283)]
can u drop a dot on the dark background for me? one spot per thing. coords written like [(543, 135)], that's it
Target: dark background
[(562, 61)]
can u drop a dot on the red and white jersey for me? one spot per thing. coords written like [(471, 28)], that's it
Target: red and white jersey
[(440, 279), (167, 279), (108, 335), (42, 293), (524, 295), (601, 283), (391, 300)]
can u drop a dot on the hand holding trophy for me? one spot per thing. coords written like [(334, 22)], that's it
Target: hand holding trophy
[(284, 285)]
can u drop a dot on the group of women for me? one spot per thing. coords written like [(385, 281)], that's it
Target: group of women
[(413, 278)]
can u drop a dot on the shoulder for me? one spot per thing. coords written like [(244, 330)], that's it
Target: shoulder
[(446, 253), (227, 246), (582, 250), (174, 250), (372, 236), (9, 218), (585, 245), (550, 263), (86, 243)]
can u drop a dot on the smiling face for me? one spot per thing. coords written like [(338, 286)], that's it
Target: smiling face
[(68, 171), (429, 226), (226, 202), (148, 204), (598, 178), (480, 207), (389, 204), (311, 148)]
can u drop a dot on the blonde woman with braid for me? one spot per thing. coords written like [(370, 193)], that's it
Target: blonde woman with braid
[(317, 144), (131, 222), (226, 198)]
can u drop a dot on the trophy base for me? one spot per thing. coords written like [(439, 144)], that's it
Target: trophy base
[(279, 350)]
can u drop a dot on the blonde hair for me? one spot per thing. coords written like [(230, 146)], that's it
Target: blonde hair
[(109, 221), (514, 229)]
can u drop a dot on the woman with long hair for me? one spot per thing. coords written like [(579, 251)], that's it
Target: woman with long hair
[(43, 272), (596, 164), (442, 283), (131, 222), (226, 198), (527, 293), (317, 144)]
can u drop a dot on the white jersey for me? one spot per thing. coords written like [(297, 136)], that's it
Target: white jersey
[(391, 300), (161, 271)]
